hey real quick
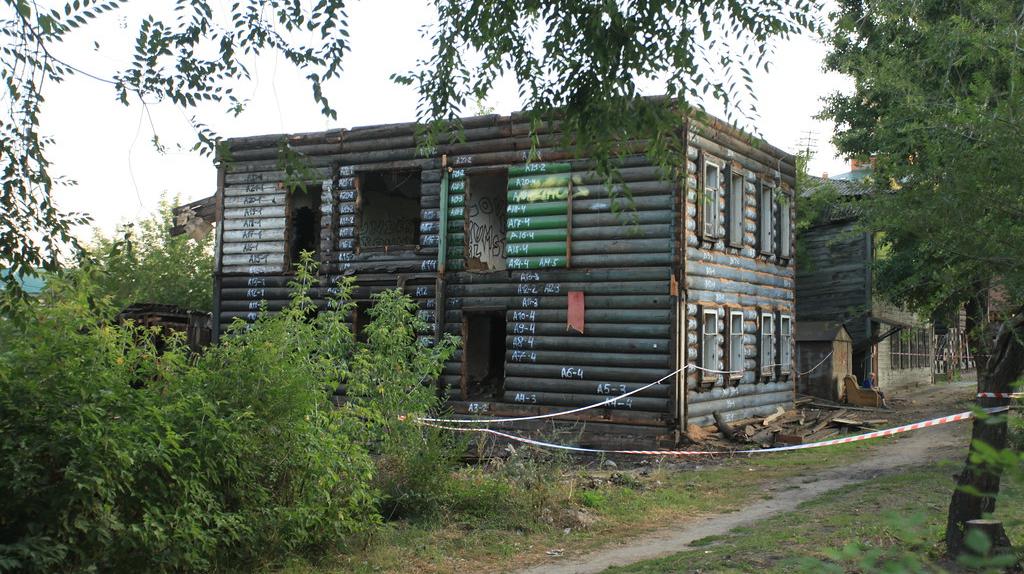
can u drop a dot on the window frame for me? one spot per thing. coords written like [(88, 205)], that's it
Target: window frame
[(736, 346), (360, 201), (709, 199), (767, 338), (704, 347), (735, 208), (765, 219), (785, 343), (785, 225)]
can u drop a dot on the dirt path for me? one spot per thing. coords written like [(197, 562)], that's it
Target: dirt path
[(914, 449)]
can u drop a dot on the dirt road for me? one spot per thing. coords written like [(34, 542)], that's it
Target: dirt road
[(947, 442)]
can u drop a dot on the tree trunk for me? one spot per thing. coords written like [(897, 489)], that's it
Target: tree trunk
[(978, 484)]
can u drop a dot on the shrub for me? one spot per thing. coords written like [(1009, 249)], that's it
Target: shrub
[(119, 459)]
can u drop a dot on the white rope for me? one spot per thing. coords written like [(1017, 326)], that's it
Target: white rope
[(614, 399), (871, 435), (815, 367), (608, 401)]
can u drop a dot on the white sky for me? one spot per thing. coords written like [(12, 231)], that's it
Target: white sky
[(106, 147)]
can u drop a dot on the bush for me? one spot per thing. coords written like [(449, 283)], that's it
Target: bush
[(118, 459)]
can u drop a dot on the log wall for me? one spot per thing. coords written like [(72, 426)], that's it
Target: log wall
[(630, 248)]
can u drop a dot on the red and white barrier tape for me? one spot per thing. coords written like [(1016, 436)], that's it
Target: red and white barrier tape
[(867, 436), (988, 395)]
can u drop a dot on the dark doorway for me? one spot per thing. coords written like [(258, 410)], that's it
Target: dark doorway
[(303, 224), (484, 354)]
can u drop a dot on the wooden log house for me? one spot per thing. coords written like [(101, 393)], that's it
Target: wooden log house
[(565, 292)]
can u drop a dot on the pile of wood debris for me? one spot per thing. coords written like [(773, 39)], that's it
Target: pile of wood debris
[(808, 422)]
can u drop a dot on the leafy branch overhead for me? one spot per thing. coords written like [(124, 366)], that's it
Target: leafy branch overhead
[(188, 59), (586, 63)]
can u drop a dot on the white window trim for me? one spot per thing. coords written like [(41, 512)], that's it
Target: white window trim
[(713, 314), (767, 331), (735, 371), (736, 209), (786, 342), (766, 219), (786, 228), (711, 198)]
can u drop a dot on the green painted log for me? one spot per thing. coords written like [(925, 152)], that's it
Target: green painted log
[(535, 262), (622, 302), (456, 199), (539, 181), (627, 218), (535, 249), (568, 400), (456, 212), (655, 316), (589, 343), (534, 209), (535, 168), (542, 194), (571, 371), (456, 225), (538, 235), (456, 251), (539, 222), (603, 388), (456, 265)]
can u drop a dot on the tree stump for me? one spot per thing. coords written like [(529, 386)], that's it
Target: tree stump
[(993, 531)]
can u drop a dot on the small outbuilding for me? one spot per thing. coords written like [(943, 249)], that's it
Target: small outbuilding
[(824, 356)]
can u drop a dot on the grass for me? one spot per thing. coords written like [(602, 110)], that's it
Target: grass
[(898, 518), (481, 531)]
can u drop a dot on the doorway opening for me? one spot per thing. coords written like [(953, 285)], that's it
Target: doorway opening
[(303, 224), (486, 221), (484, 354)]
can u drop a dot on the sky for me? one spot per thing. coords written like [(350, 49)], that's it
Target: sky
[(107, 147)]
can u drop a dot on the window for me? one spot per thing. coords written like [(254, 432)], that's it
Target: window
[(785, 227), (486, 217), (736, 355), (709, 343), (709, 201), (785, 343), (389, 209), (767, 351), (910, 349), (736, 186), (303, 221), (764, 219)]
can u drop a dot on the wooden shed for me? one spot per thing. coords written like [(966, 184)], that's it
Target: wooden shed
[(824, 351), (565, 292)]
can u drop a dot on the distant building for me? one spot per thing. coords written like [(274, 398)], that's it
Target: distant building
[(33, 285), (834, 283)]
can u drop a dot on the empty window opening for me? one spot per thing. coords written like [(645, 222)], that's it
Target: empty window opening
[(736, 345), (303, 223), (486, 221), (484, 354), (709, 343), (389, 209), (711, 188)]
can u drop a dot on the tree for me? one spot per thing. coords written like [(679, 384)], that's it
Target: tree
[(144, 263), (585, 58), (187, 60), (938, 99)]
